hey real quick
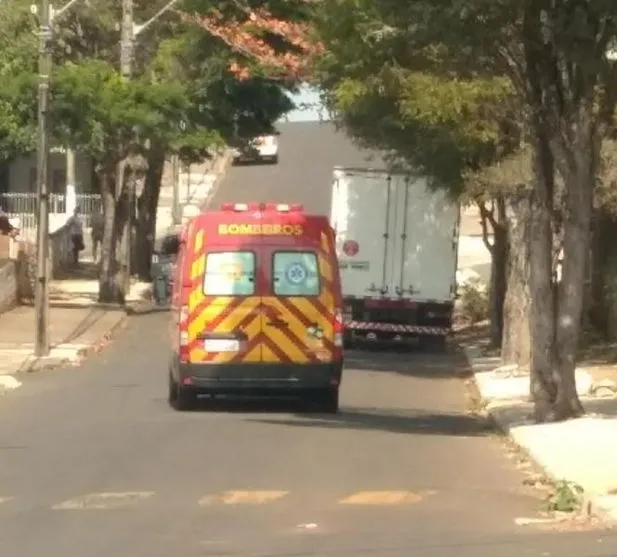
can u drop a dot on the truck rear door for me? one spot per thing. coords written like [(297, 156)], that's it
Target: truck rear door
[(361, 217), (425, 241)]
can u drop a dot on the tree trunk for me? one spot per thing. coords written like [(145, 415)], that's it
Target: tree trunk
[(499, 265), (124, 183), (108, 282), (542, 303), (516, 343), (579, 161), (146, 219)]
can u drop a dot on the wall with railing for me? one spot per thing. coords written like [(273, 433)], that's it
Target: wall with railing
[(18, 265), (8, 284)]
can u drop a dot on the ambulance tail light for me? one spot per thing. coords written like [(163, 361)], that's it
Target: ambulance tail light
[(339, 329), (184, 352)]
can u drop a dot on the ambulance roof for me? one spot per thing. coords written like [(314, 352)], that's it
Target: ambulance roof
[(275, 223)]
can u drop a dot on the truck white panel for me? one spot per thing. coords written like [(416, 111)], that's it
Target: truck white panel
[(407, 236)]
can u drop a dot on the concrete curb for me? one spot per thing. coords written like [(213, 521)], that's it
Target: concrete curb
[(604, 507)]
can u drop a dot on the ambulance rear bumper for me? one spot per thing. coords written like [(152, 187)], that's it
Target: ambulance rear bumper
[(249, 377)]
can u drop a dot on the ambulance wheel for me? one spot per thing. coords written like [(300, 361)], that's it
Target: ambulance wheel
[(180, 398), (327, 400)]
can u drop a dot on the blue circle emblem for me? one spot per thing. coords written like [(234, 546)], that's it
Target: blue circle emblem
[(296, 273)]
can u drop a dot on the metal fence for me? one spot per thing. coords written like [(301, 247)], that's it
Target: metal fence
[(23, 206)]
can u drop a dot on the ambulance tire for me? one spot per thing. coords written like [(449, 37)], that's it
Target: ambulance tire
[(180, 398), (327, 400)]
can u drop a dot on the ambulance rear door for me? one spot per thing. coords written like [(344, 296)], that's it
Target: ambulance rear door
[(298, 309), (224, 309)]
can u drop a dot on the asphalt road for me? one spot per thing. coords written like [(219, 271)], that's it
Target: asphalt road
[(94, 463)]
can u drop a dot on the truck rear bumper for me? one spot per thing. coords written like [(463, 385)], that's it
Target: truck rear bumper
[(389, 318), (395, 328)]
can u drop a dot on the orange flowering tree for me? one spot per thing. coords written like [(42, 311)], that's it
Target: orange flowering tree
[(276, 46)]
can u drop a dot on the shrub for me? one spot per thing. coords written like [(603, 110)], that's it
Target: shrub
[(474, 301)]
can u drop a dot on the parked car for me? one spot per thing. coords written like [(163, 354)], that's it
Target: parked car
[(263, 148)]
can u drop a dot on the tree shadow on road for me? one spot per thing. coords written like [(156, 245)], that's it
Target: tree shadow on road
[(392, 421), (410, 362)]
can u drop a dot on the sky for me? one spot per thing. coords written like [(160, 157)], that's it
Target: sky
[(309, 96)]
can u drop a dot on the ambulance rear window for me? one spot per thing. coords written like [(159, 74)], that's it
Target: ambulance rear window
[(230, 273), (295, 273)]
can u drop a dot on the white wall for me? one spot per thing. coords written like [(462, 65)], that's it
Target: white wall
[(22, 173)]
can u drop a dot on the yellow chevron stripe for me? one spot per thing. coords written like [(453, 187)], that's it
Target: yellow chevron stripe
[(324, 243), (196, 297), (305, 307), (199, 241), (252, 330), (255, 354), (280, 338), (268, 356), (216, 307), (325, 268), (232, 321), (295, 325), (198, 268)]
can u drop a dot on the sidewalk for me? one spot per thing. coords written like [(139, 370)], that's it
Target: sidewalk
[(580, 452), (195, 189), (78, 326)]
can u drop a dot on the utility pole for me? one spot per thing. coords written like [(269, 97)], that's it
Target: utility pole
[(41, 342), (127, 41)]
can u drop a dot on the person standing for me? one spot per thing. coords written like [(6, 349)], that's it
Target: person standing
[(98, 227), (76, 231)]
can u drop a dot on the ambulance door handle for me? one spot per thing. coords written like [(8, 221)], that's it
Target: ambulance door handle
[(278, 323)]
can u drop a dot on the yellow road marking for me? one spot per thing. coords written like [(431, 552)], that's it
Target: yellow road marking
[(381, 498), (104, 501), (243, 497)]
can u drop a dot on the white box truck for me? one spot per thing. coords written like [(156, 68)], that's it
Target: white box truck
[(397, 244)]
